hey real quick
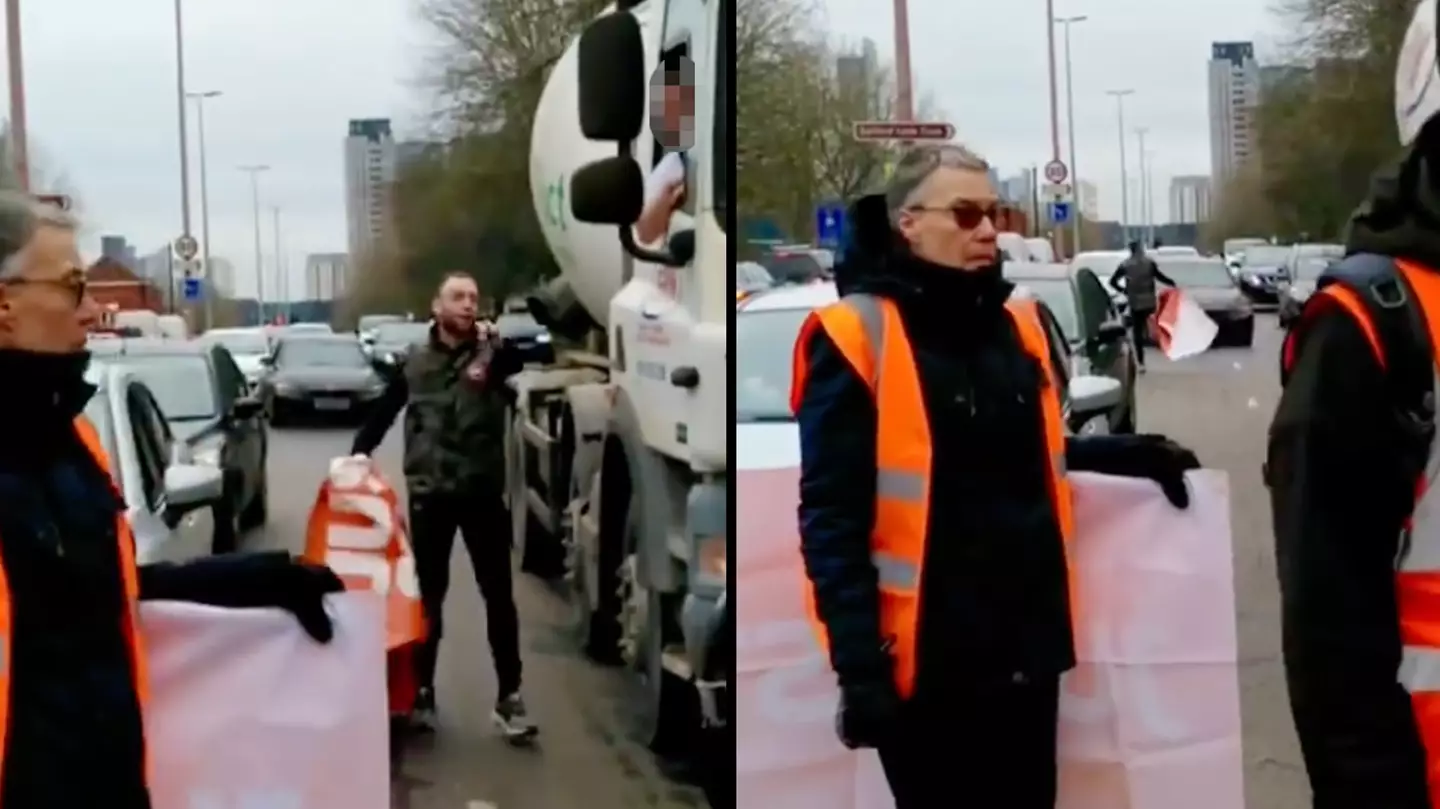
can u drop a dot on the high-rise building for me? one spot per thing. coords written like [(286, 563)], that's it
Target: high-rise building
[(1019, 190), (327, 276), (1190, 199), (118, 249), (859, 68), (370, 158), (1234, 94)]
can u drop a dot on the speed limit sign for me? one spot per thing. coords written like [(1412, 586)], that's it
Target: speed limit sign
[(1056, 172)]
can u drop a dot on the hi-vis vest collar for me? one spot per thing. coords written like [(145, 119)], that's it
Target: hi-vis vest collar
[(870, 333), (1417, 582), (129, 619)]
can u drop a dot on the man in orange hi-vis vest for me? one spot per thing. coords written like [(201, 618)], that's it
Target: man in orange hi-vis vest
[(72, 665), (1352, 464), (357, 528), (934, 508)]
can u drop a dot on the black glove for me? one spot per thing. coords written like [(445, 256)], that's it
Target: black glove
[(1136, 456), (868, 714), (240, 580)]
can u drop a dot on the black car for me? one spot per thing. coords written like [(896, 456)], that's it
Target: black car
[(530, 339), (1207, 282), (1260, 271), (214, 419), (391, 342), (321, 376), (1097, 341)]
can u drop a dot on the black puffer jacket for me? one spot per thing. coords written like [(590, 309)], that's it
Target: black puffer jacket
[(994, 599)]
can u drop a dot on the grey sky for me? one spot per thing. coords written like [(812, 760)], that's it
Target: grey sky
[(986, 66), (100, 79)]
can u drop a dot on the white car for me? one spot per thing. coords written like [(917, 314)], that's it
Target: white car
[(168, 500), (247, 346), (766, 325)]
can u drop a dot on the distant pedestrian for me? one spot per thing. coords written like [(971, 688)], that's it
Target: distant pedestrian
[(1136, 277)]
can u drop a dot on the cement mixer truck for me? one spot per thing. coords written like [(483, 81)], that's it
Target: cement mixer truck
[(618, 475)]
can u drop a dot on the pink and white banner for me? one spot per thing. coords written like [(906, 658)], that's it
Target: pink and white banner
[(1180, 326), (1149, 720), (247, 712)]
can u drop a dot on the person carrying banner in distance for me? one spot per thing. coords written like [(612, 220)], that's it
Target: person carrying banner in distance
[(934, 509)]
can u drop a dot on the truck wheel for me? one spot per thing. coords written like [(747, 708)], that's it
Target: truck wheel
[(671, 712), (600, 627), (540, 555)]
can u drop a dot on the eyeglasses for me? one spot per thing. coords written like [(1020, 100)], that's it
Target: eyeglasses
[(967, 215), (75, 285)]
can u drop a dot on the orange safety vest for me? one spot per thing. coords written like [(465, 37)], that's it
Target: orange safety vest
[(129, 621), (870, 334), (1417, 577), (347, 532)]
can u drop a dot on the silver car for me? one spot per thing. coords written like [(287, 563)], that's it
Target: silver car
[(168, 499)]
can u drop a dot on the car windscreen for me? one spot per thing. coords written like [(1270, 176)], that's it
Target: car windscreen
[(751, 277), (97, 411), (304, 353), (764, 344), (368, 322), (181, 384), (402, 333), (793, 268), (518, 324), (1264, 256), (1202, 274), (241, 344), (1059, 295)]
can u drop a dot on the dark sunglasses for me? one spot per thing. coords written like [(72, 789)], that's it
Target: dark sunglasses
[(75, 286), (968, 215)]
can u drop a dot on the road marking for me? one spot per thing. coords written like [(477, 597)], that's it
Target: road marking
[(480, 805)]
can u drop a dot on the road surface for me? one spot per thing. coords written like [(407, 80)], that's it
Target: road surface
[(1220, 405), (586, 755)]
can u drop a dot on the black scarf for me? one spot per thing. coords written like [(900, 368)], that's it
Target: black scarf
[(43, 395)]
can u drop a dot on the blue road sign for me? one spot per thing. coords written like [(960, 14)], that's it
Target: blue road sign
[(830, 224), (1059, 212), (192, 289)]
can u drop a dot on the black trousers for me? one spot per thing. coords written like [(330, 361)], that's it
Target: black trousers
[(484, 525), (980, 747), (1140, 330)]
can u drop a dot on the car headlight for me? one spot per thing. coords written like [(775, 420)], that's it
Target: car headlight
[(543, 337), (206, 456), (286, 388)]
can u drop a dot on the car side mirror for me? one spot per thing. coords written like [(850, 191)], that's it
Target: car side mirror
[(1091, 396), (189, 487), (246, 408), (1111, 331), (610, 65)]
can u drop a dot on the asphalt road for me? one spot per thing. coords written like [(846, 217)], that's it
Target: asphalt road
[(586, 755), (1220, 405)]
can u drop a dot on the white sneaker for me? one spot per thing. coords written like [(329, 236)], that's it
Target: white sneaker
[(512, 718)]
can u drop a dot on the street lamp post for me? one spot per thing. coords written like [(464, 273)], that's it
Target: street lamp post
[(1144, 173), (209, 273), (184, 135), (254, 171), (1119, 96), (1070, 119), (282, 289), (19, 142)]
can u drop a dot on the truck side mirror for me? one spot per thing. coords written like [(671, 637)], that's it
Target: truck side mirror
[(611, 59), (610, 191)]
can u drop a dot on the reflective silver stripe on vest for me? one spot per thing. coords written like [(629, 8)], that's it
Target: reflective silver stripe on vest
[(1420, 550), (907, 486), (872, 321), (896, 572), (1420, 669)]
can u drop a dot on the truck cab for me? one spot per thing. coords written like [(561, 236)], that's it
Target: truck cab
[(618, 456)]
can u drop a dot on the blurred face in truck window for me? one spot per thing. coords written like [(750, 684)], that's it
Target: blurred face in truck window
[(672, 103), (44, 305)]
